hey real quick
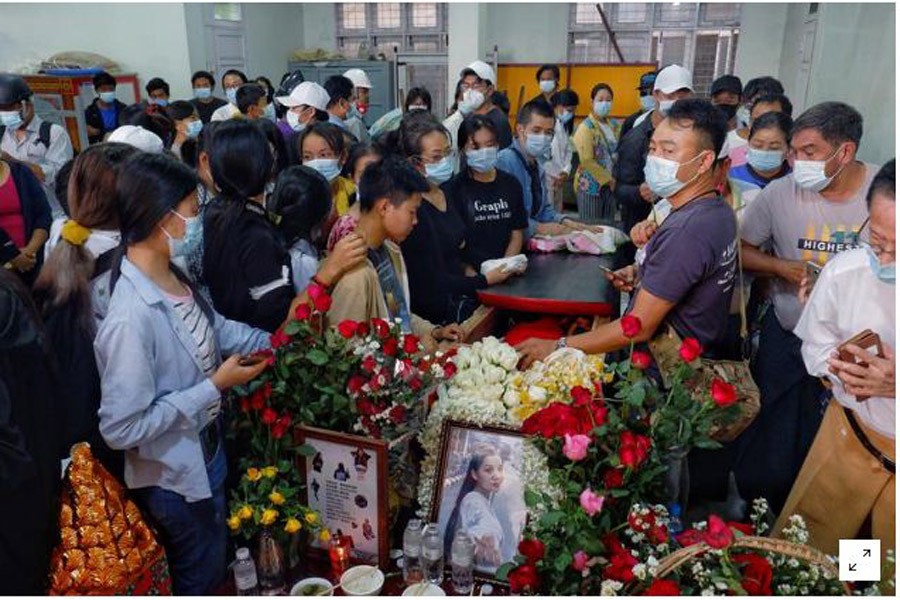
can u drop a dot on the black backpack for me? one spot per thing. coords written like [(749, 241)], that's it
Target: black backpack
[(43, 133)]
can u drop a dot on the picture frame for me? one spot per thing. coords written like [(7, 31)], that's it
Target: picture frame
[(346, 483), (495, 517)]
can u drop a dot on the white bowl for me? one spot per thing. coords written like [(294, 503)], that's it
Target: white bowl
[(295, 591), (423, 589), (364, 580)]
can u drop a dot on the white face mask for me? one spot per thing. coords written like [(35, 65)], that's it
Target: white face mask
[(472, 101), (293, 119), (602, 107), (547, 86), (665, 106), (810, 174), (661, 175)]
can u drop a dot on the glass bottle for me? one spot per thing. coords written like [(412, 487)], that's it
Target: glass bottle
[(270, 565), (462, 563)]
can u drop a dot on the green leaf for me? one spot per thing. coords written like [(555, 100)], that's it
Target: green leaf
[(317, 357), (503, 571), (562, 561), (306, 450), (532, 499)]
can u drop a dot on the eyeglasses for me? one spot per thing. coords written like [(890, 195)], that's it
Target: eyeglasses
[(430, 160), (480, 86), (879, 245)]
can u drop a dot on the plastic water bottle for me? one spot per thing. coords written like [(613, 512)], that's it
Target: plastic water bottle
[(462, 563), (433, 554), (245, 574), (412, 552), (675, 524)]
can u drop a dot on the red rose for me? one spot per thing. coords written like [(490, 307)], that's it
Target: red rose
[(302, 312), (757, 574), (557, 420), (323, 303), (369, 365), (532, 550), (639, 522), (631, 326), (723, 394), (415, 384), (245, 404), (717, 535), (410, 344), (365, 407), (285, 420), (659, 534), (269, 416), (354, 386), (690, 350), (641, 360), (279, 339), (390, 347), (619, 567), (314, 290), (449, 369), (382, 330), (689, 537), (257, 400), (744, 528), (278, 431), (523, 578), (599, 410), (663, 587), (397, 414), (362, 329), (613, 479), (580, 396), (347, 328), (633, 449)]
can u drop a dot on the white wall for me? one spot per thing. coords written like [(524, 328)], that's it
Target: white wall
[(274, 31), (319, 25), (526, 32), (853, 61), (147, 39)]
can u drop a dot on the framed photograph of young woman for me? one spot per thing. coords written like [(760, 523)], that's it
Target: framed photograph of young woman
[(480, 490)]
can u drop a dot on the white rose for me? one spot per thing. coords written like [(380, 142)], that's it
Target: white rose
[(537, 394), (511, 398)]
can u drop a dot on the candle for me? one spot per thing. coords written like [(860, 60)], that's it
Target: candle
[(339, 553)]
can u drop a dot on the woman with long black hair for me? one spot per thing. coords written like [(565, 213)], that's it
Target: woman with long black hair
[(160, 355)]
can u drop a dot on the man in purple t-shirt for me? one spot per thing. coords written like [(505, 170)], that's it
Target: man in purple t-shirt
[(688, 276)]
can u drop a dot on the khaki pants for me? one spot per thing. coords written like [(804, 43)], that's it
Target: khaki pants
[(841, 485)]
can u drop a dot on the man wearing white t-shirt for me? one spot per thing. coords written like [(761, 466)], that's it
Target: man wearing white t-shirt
[(848, 476), (809, 216)]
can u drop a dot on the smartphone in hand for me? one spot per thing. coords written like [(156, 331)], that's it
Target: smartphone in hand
[(813, 270), (869, 341), (251, 360), (615, 275)]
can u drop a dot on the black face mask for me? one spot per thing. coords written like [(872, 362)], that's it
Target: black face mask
[(728, 110)]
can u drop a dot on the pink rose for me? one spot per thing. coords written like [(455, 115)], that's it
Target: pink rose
[(580, 561), (575, 446), (590, 502)]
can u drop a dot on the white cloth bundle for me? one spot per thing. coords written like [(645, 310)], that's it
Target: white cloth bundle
[(511, 264)]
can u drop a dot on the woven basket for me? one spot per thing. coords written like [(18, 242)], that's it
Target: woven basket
[(808, 554)]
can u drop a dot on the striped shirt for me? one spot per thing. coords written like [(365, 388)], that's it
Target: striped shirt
[(198, 325)]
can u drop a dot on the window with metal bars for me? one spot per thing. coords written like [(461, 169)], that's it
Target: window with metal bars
[(418, 27)]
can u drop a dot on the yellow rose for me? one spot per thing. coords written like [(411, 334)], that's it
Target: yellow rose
[(270, 472), (292, 526), (268, 517), (311, 518), (253, 474), (276, 498), (324, 536), (245, 513)]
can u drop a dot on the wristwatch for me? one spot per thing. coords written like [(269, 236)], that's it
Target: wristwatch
[(561, 343)]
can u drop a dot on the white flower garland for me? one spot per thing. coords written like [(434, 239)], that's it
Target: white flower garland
[(474, 396)]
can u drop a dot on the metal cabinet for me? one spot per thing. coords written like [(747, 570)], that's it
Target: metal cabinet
[(382, 96)]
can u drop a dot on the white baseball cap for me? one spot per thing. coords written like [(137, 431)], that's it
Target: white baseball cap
[(359, 78), (673, 78), (482, 69), (309, 93), (138, 137)]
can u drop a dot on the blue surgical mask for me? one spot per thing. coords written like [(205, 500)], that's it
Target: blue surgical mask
[(193, 237), (11, 119), (602, 108), (648, 103), (665, 106), (661, 175), (482, 160), (765, 160), (293, 120), (566, 116), (329, 168), (202, 93), (269, 112), (885, 273), (354, 112), (194, 128), (160, 102), (440, 172), (231, 94), (538, 144), (108, 97), (547, 85)]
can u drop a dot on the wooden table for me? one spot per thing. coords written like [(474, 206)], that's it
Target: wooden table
[(559, 284)]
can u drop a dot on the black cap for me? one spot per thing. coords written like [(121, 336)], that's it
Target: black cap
[(647, 80), (726, 83), (289, 83), (13, 89)]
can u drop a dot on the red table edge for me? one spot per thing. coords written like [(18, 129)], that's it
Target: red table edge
[(555, 307)]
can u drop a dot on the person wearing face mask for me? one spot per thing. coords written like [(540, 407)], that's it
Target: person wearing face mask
[(648, 103), (488, 200), (340, 99), (848, 478), (753, 89), (39, 145), (633, 195), (688, 276), (305, 106), (812, 215), (524, 160), (102, 115), (253, 103), (547, 77), (322, 149), (557, 169), (187, 129), (362, 88), (157, 94), (767, 157), (725, 94), (595, 142), (232, 80), (760, 106), (418, 98), (160, 354), (203, 83)]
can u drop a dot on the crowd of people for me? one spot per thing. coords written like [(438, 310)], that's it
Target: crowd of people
[(138, 272)]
